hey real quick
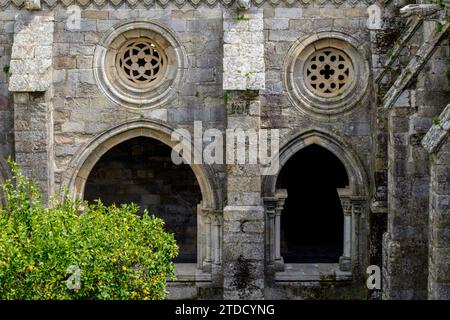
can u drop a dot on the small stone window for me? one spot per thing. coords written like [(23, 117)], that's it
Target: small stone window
[(140, 62), (328, 72)]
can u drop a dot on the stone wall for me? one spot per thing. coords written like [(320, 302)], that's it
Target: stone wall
[(437, 143), (439, 274), (6, 106), (239, 68), (405, 263)]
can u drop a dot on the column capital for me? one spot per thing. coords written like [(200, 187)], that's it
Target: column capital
[(281, 196), (270, 203)]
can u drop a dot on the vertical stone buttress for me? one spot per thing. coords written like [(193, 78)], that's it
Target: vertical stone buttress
[(31, 84), (405, 245), (437, 143), (243, 229), (378, 29)]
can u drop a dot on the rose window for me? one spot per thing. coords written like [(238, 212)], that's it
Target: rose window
[(328, 72), (140, 62)]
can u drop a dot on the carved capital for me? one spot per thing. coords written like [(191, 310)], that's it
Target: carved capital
[(357, 208), (270, 203), (216, 218), (281, 195)]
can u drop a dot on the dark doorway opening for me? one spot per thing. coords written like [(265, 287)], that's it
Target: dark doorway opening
[(312, 218), (140, 170)]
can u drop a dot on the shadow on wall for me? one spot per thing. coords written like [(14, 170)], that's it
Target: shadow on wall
[(140, 170)]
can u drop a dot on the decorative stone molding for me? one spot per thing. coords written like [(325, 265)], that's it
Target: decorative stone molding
[(139, 64), (244, 4), (352, 208), (358, 178), (77, 172), (326, 73), (209, 250), (238, 108), (209, 218), (353, 199), (192, 3), (33, 4)]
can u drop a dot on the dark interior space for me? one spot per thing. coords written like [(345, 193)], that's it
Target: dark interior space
[(312, 218), (140, 170)]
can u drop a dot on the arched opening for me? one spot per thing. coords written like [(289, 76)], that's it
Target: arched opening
[(140, 170), (312, 219)]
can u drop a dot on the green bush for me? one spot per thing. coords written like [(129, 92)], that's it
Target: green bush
[(115, 253)]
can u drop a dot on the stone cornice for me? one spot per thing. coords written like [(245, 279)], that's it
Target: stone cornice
[(186, 3)]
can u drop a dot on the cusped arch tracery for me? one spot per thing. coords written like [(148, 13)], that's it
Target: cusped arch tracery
[(358, 180)]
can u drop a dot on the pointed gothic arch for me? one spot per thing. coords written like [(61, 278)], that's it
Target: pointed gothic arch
[(208, 211), (353, 198)]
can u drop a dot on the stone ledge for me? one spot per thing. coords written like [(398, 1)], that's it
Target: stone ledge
[(179, 3), (188, 272), (305, 272)]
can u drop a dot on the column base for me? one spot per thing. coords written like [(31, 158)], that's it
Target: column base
[(279, 265), (345, 263)]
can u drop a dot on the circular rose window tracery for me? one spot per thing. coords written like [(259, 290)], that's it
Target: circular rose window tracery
[(140, 62), (328, 72)]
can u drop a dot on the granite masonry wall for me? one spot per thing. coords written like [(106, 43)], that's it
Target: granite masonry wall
[(229, 67)]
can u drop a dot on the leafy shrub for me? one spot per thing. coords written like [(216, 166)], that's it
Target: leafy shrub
[(119, 254)]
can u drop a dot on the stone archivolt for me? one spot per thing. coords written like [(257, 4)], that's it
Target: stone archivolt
[(182, 3)]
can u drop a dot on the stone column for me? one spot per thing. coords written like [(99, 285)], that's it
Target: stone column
[(281, 196), (345, 261), (204, 255), (216, 234), (243, 225), (357, 240), (31, 84), (405, 242), (269, 207)]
